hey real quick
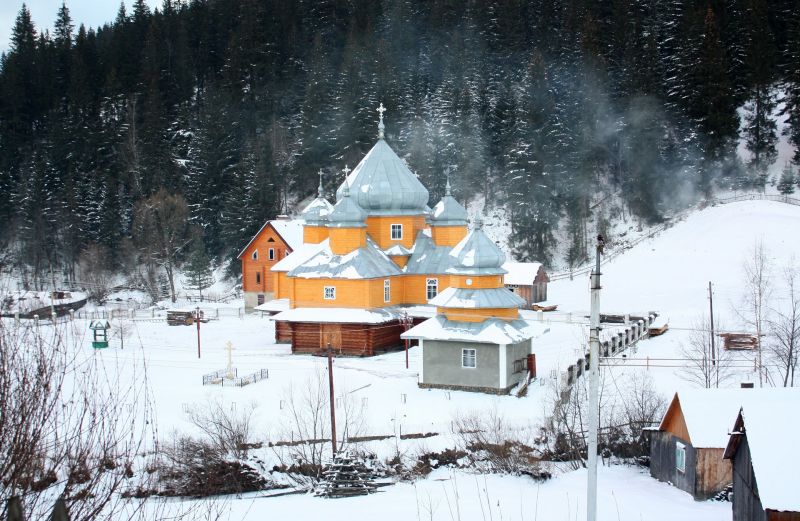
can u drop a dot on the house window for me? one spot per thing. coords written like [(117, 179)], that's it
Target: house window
[(680, 457), (272, 254), (330, 293), (258, 278), (431, 288), (520, 365), (387, 291), (255, 255), (468, 358), (397, 232)]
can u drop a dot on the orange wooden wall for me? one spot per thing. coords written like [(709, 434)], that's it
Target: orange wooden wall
[(263, 264)]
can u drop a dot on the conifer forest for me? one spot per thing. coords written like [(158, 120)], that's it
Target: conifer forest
[(201, 119)]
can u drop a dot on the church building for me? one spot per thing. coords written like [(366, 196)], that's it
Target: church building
[(380, 250)]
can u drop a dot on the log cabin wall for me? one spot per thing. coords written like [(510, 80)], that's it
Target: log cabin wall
[(345, 339)]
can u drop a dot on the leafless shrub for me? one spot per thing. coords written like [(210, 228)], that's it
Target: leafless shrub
[(95, 271), (228, 430), (64, 429), (492, 444)]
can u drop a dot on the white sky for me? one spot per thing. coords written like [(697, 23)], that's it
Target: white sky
[(91, 13)]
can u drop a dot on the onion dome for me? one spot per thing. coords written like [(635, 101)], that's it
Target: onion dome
[(318, 210), (476, 254), (448, 211), (347, 213), (382, 184)]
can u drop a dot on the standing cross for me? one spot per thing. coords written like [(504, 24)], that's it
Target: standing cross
[(229, 347)]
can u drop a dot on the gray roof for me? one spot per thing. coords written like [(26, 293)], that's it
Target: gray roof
[(347, 213), (364, 263), (479, 298), (448, 211), (476, 254), (491, 331), (382, 184), (428, 258), (317, 211)]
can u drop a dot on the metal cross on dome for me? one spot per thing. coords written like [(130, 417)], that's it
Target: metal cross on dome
[(346, 171), (381, 109)]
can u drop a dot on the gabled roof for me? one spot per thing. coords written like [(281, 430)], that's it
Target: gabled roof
[(477, 298), (771, 425), (337, 315), (363, 263), (299, 256), (491, 331), (290, 230), (429, 259), (521, 273)]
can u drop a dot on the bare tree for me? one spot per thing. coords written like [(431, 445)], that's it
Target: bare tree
[(95, 269), (160, 231), (784, 326), (229, 430), (702, 367), (757, 287)]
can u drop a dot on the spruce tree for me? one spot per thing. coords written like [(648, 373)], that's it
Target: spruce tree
[(198, 275), (787, 180)]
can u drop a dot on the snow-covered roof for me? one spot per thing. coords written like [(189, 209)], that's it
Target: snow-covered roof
[(427, 258), (347, 213), (771, 426), (476, 254), (448, 211), (281, 304), (477, 298), (521, 273), (398, 249), (290, 230), (382, 184), (710, 413), (299, 256), (317, 211), (337, 315), (492, 331), (363, 263)]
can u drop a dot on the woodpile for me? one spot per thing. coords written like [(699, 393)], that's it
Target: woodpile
[(739, 341), (346, 476)]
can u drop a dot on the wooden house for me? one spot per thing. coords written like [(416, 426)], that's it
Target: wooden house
[(528, 280), (764, 457), (274, 241), (686, 449)]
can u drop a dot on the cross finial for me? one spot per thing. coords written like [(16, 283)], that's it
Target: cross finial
[(478, 222), (346, 188), (346, 171), (381, 127), (319, 188), (447, 187)]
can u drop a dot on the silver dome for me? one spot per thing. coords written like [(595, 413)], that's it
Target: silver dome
[(382, 184), (476, 254), (347, 213), (448, 211)]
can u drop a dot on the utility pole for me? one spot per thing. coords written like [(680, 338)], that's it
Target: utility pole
[(333, 405), (594, 378), (197, 319), (406, 326), (713, 347)]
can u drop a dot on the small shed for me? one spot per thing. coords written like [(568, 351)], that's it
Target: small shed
[(528, 280), (765, 460), (686, 449)]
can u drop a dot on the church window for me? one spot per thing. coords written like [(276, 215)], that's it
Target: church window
[(397, 232), (272, 254), (330, 293), (255, 255), (258, 278), (387, 290), (469, 358), (431, 288)]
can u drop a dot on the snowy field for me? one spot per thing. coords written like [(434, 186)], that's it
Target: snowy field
[(668, 274)]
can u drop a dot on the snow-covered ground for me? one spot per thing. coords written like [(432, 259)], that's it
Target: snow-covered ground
[(668, 274)]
